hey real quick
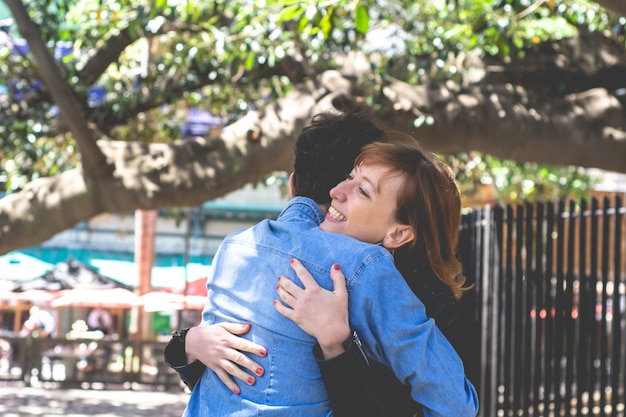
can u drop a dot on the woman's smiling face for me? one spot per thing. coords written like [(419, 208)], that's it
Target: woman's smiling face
[(364, 205)]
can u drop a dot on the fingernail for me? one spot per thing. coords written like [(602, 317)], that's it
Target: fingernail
[(236, 391), (336, 267), (263, 353), (250, 380), (291, 261), (259, 371), (277, 287)]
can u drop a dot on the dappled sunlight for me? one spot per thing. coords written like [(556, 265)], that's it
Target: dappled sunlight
[(18, 401)]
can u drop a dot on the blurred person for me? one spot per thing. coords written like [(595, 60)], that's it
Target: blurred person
[(99, 319), (40, 323)]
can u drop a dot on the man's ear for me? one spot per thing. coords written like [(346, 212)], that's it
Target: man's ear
[(398, 236), (292, 189)]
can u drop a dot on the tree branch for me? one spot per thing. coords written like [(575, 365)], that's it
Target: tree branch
[(93, 159)]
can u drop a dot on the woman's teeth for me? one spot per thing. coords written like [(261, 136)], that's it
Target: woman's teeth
[(336, 215)]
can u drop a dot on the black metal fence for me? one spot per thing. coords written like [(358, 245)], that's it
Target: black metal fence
[(546, 322)]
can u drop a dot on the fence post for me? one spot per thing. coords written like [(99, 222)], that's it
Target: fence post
[(489, 287)]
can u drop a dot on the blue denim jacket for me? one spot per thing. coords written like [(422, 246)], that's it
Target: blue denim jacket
[(390, 320)]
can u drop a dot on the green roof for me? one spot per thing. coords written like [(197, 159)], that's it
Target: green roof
[(168, 270)]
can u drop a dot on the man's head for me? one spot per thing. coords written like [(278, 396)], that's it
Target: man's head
[(326, 149)]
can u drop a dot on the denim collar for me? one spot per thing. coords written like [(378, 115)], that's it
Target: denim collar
[(302, 208)]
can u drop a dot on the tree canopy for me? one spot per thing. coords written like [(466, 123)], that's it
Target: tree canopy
[(94, 97)]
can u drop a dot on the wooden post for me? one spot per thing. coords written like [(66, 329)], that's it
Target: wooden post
[(145, 232)]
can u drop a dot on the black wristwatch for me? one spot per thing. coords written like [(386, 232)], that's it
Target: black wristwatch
[(179, 335)]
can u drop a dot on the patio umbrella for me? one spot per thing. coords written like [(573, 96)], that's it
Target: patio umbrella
[(195, 287), (167, 301), (33, 296), (105, 298)]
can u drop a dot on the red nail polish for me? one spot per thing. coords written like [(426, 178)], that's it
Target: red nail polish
[(263, 353), (291, 261), (259, 371), (277, 287), (336, 267), (236, 391)]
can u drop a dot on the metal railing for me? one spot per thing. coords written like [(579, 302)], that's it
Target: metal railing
[(85, 362)]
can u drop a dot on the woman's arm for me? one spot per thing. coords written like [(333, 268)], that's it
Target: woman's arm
[(356, 386), (217, 347)]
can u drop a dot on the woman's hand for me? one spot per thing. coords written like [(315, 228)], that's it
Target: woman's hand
[(321, 313), (220, 348)]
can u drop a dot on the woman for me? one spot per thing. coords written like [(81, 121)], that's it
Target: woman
[(374, 206), (432, 271)]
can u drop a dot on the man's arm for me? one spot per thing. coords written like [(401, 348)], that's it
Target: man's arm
[(176, 358)]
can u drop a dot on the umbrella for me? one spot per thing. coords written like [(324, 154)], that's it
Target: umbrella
[(195, 287), (29, 295), (167, 301), (105, 298)]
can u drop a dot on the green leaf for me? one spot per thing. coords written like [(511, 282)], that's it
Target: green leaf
[(290, 12), (362, 19), (250, 61), (325, 24)]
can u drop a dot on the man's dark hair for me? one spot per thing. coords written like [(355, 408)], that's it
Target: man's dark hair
[(326, 149)]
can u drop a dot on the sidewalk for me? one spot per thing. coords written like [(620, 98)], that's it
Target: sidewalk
[(21, 401)]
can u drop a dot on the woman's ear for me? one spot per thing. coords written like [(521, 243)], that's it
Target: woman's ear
[(398, 236)]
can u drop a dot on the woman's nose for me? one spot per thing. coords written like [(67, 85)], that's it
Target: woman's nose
[(337, 191)]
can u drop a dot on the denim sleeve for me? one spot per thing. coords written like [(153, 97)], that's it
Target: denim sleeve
[(365, 388), (176, 358), (395, 330)]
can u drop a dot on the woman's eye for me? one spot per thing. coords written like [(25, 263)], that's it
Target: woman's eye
[(363, 192), (349, 177)]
